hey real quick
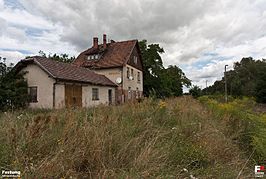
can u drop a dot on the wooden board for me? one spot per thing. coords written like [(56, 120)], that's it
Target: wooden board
[(73, 95)]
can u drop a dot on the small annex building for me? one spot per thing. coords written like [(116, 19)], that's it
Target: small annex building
[(55, 84)]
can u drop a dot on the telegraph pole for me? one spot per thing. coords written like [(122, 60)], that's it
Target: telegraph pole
[(225, 84), (206, 87)]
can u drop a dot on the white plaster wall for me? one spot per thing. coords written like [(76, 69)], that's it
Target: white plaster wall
[(59, 96), (134, 84), (103, 95), (112, 73), (37, 77)]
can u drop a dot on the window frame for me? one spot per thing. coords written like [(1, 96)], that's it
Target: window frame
[(128, 72), (33, 99), (132, 73), (135, 59), (95, 97), (138, 77), (129, 93)]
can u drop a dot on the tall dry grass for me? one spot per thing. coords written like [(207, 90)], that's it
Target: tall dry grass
[(175, 138)]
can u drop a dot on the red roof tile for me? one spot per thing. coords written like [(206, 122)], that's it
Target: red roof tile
[(69, 72), (115, 55)]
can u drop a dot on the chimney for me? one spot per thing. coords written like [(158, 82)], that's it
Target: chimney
[(104, 41), (95, 42)]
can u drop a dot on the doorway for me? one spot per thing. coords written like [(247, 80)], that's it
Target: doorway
[(110, 96), (73, 95)]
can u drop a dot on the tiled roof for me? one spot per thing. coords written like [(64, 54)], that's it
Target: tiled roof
[(69, 72), (115, 55)]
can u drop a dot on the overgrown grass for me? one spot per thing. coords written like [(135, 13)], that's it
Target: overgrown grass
[(174, 138), (244, 126)]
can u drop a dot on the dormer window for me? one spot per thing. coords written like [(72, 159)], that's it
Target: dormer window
[(93, 57)]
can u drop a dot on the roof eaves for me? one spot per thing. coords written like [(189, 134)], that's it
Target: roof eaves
[(86, 82), (43, 68)]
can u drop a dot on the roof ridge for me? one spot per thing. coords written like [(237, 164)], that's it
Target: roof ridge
[(44, 63)]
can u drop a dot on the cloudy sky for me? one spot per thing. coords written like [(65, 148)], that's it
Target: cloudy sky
[(200, 36)]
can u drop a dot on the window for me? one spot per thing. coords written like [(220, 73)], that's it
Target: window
[(135, 59), (132, 74), (95, 94), (138, 76), (128, 72), (137, 93), (129, 93), (93, 57), (33, 94)]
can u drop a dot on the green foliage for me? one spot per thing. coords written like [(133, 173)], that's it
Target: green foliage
[(261, 87), (248, 78), (195, 91), (61, 58), (13, 88), (245, 126), (158, 80)]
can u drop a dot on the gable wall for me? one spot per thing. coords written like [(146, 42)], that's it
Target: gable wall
[(37, 77), (111, 73), (131, 60)]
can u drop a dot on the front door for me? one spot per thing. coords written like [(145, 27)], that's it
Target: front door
[(110, 96), (73, 95)]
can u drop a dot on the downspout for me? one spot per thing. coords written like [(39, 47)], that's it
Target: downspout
[(122, 86), (54, 93)]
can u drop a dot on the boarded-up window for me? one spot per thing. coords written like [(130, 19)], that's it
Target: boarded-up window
[(95, 94), (33, 94)]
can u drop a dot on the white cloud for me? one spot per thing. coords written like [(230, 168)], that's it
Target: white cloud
[(188, 30), (1, 4), (12, 56)]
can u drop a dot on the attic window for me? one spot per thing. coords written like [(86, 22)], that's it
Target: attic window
[(135, 59), (93, 57)]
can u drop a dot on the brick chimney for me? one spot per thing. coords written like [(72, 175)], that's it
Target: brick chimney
[(104, 41), (95, 42)]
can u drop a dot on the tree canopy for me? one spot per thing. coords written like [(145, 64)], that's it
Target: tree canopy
[(61, 58), (248, 78), (158, 80), (13, 87), (195, 91)]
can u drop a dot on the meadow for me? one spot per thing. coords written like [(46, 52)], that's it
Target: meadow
[(173, 138)]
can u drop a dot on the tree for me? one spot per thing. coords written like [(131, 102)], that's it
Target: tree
[(163, 82), (152, 64), (261, 87), (61, 58), (13, 88), (246, 79), (172, 80), (195, 91)]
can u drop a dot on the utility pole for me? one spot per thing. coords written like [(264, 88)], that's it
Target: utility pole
[(225, 84), (206, 87)]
